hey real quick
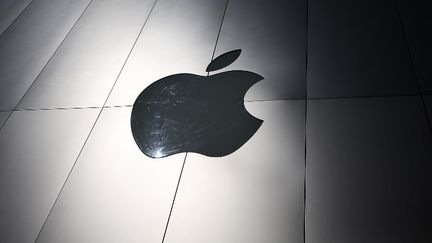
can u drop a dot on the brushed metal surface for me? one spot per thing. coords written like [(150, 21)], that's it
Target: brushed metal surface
[(179, 38), (28, 45), (3, 116), (417, 22), (9, 11), (368, 167), (87, 64), (115, 193), (272, 36), (252, 195), (356, 48), (38, 148)]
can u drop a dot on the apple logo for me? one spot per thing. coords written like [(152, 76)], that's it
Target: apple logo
[(192, 113)]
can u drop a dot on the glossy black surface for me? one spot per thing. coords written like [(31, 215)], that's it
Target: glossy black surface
[(223, 60), (192, 113)]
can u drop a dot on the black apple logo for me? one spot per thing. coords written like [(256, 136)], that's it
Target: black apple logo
[(191, 113)]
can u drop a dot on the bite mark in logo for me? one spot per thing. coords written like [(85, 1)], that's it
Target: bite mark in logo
[(192, 113)]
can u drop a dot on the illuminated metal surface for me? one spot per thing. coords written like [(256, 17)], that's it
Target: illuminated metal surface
[(9, 11), (368, 159), (29, 44), (115, 193), (272, 36), (179, 38), (3, 117), (38, 148), (252, 195), (85, 67)]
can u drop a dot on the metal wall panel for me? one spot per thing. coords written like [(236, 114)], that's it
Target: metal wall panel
[(272, 36), (252, 195), (87, 64), (3, 117), (417, 21), (115, 193), (368, 171), (30, 42), (9, 11), (356, 48), (38, 149), (179, 38)]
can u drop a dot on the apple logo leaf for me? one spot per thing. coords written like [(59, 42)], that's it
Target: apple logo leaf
[(223, 60)]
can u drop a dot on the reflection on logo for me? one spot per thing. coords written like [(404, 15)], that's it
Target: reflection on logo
[(192, 113)]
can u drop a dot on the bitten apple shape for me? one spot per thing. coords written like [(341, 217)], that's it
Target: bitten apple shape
[(192, 113)]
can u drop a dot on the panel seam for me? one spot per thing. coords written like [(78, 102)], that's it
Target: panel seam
[(174, 198), (16, 18), (305, 122), (184, 162), (46, 64), (411, 60), (94, 124), (247, 101)]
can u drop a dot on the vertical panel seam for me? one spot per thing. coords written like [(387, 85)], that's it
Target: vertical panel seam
[(184, 162), (305, 122), (95, 122), (411, 60)]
